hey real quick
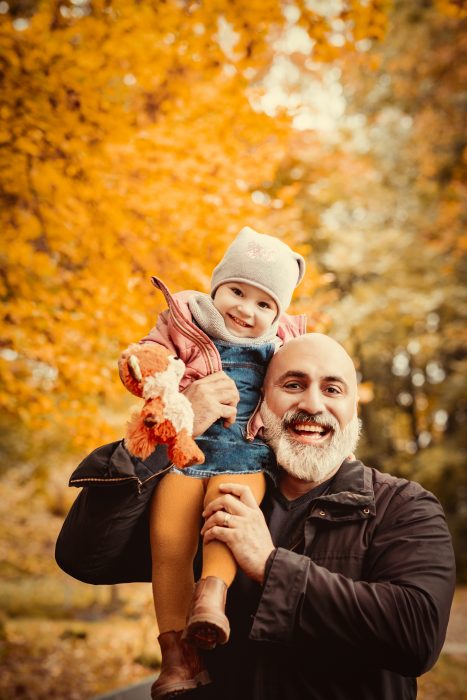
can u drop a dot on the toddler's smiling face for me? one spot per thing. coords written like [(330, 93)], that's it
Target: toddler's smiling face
[(247, 311)]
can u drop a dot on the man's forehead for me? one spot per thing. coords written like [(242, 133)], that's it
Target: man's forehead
[(314, 354)]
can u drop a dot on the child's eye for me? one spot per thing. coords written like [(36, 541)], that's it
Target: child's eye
[(264, 305), (236, 291)]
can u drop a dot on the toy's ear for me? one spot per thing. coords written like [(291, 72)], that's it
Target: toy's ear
[(178, 366), (128, 380)]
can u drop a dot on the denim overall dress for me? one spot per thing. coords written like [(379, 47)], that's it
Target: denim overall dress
[(227, 450)]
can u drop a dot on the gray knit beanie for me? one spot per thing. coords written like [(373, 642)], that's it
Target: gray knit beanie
[(262, 261)]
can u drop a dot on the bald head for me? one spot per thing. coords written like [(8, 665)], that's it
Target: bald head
[(313, 351)]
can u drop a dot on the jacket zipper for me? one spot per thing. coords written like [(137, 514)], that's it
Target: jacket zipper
[(292, 549), (162, 471), (113, 479), (86, 480), (181, 325), (191, 336)]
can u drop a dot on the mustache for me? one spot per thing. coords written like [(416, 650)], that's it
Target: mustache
[(327, 420)]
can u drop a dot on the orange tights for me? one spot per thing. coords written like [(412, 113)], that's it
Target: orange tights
[(175, 522)]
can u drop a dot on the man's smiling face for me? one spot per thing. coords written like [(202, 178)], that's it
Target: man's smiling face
[(309, 409)]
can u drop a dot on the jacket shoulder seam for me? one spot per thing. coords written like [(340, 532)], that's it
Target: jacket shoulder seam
[(401, 489)]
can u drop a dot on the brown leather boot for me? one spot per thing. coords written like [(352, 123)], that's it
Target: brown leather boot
[(182, 668), (207, 624)]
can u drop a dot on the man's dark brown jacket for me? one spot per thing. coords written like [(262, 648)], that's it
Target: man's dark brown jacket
[(358, 609)]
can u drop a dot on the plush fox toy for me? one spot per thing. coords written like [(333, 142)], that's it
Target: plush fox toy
[(152, 373)]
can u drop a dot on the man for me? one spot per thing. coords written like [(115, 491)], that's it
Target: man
[(347, 594), (347, 574)]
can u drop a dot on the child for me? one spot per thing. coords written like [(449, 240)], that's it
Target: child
[(237, 328)]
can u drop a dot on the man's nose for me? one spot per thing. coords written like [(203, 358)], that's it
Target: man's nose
[(312, 401)]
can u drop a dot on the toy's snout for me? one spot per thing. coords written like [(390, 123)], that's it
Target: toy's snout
[(151, 414)]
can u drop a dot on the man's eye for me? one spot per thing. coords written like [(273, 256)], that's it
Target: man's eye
[(292, 385), (333, 390)]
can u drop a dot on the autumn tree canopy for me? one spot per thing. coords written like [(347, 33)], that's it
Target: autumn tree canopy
[(138, 138), (384, 194), (131, 144)]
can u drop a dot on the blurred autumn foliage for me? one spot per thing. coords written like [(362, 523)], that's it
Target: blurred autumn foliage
[(137, 138), (129, 146), (388, 219)]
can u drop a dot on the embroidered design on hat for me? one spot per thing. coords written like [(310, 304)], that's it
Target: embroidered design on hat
[(256, 251)]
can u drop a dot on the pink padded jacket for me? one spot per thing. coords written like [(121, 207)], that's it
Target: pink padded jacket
[(176, 331)]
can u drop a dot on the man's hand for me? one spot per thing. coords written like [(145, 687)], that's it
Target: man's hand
[(236, 519), (212, 397)]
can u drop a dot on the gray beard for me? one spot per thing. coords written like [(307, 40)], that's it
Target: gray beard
[(309, 462)]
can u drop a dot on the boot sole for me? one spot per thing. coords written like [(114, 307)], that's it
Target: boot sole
[(206, 634), (176, 687)]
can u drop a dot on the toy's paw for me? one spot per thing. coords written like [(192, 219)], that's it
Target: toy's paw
[(147, 428), (141, 445), (184, 451)]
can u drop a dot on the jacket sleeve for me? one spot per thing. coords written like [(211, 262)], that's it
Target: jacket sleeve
[(396, 617), (291, 327), (160, 333)]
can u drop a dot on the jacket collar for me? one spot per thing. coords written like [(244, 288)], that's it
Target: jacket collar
[(352, 485), (350, 495)]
